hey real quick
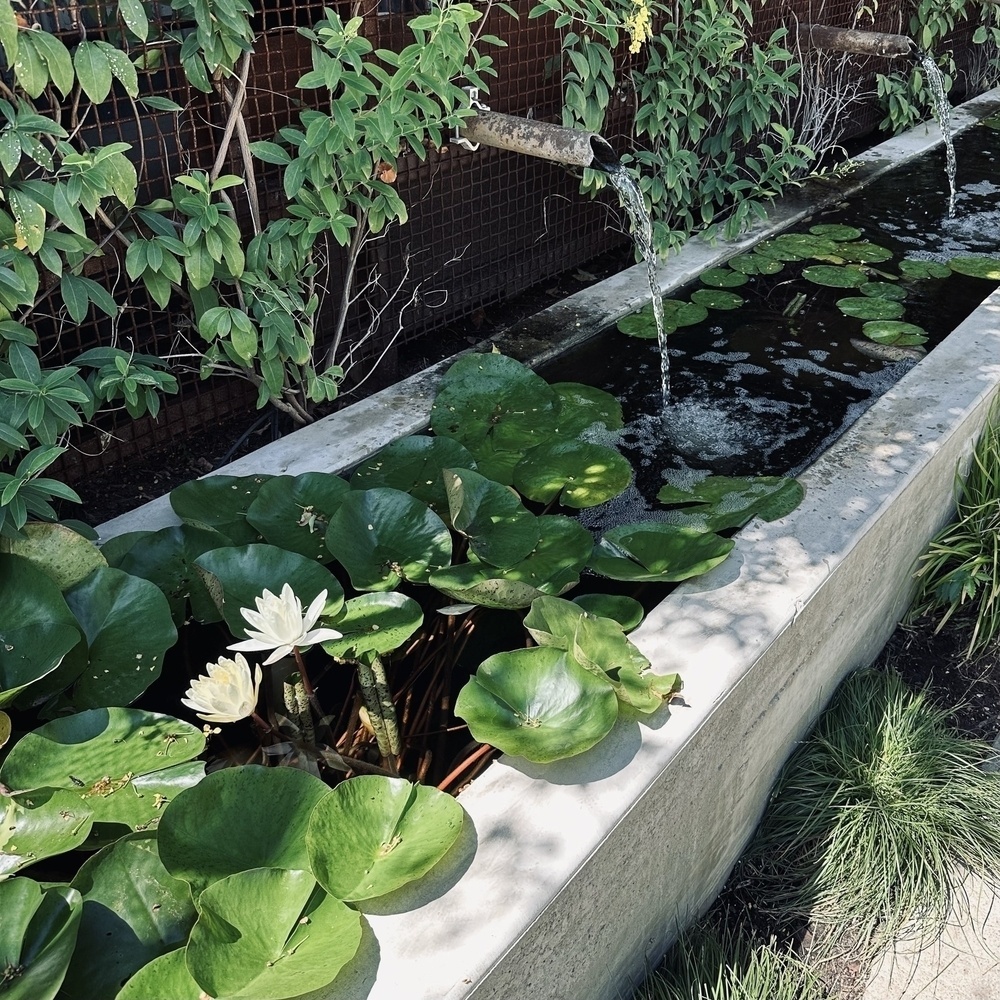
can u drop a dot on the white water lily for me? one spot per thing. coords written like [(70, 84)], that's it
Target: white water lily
[(227, 693), (279, 624)]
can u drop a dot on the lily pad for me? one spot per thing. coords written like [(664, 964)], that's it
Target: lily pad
[(723, 277), (755, 263), (894, 332), (133, 911), (127, 624), (676, 313), (374, 623), (270, 933), (977, 267), (883, 290), (863, 307), (723, 502), (863, 253), (627, 611), (580, 407), (371, 835), (924, 269), (413, 464), (58, 551), (166, 978), (238, 574), (832, 276), (836, 232), (41, 824), (37, 936), (716, 298), (537, 703), (500, 530), (293, 512), (580, 474), (237, 819), (220, 502), (652, 550), (37, 627), (798, 246)]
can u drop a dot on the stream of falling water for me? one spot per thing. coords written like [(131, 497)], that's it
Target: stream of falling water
[(942, 112), (642, 232)]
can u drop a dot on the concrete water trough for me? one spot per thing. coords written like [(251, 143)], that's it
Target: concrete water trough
[(572, 878)]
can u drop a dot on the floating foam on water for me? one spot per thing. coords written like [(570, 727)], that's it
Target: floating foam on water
[(714, 357)]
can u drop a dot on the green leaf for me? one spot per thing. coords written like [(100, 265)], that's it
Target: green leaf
[(128, 627), (29, 67), (923, 269), (580, 474), (755, 263), (57, 60), (270, 933), (652, 550), (134, 15), (835, 277), (93, 70), (39, 825), (675, 314), (237, 819), (977, 267), (866, 307), (627, 611), (895, 332), (133, 911), (384, 536), (836, 231), (722, 502), (166, 978), (121, 66), (74, 295), (580, 408), (374, 623), (221, 503), (722, 277), (716, 298), (537, 703), (29, 219), (371, 835), (61, 553), (883, 290), (863, 252), (8, 32), (37, 935)]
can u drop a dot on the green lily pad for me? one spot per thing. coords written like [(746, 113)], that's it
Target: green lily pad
[(413, 464), (580, 407), (755, 263), (167, 558), (723, 277), (883, 290), (552, 568), (894, 332), (384, 536), (798, 246), (494, 464), (831, 276), (500, 530), (537, 703), (37, 627), (58, 551), (863, 307), (676, 313), (627, 611), (220, 502), (270, 933), (722, 502), (862, 253), (37, 936), (166, 978), (237, 819), (133, 911), (41, 824), (489, 397), (374, 623), (924, 269), (716, 298), (836, 232), (237, 575), (371, 835), (293, 512), (127, 624), (977, 267), (580, 474), (652, 550)]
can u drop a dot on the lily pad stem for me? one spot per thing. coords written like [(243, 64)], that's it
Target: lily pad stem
[(464, 766), (381, 711)]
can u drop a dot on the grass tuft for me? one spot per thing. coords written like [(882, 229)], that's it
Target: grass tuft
[(875, 820)]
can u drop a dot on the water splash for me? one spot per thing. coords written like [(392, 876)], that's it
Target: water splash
[(942, 112), (632, 201)]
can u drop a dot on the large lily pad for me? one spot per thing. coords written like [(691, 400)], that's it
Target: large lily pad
[(866, 307), (133, 911), (128, 627), (166, 978), (293, 512), (374, 623), (500, 530), (552, 568), (37, 936), (236, 575), (413, 464), (537, 703), (832, 276), (384, 536), (722, 502), (723, 277), (580, 407), (627, 611), (270, 933), (836, 232), (798, 246), (651, 550), (676, 313), (578, 473), (755, 263), (492, 397), (895, 333), (37, 627), (884, 290), (716, 298), (863, 252), (220, 502), (371, 835), (923, 269), (977, 267), (57, 550), (41, 824), (236, 819)]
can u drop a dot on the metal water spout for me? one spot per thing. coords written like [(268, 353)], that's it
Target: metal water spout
[(570, 146), (863, 43)]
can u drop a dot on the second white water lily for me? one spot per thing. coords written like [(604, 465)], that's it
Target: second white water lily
[(280, 624), (227, 693)]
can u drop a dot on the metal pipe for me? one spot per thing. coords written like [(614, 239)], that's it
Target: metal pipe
[(574, 147), (864, 43)]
